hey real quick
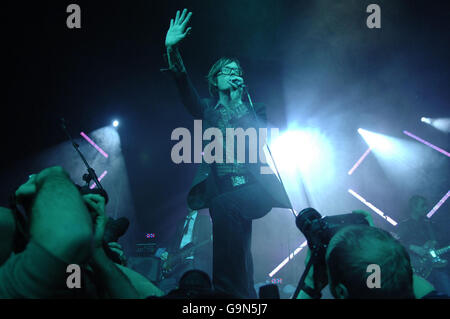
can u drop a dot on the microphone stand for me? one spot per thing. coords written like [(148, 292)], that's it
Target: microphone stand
[(111, 229), (313, 257), (90, 171), (270, 153), (301, 282)]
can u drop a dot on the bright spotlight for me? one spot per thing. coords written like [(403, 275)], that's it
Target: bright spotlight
[(425, 120), (440, 150), (376, 141), (439, 204), (299, 150), (115, 123), (305, 160), (442, 124)]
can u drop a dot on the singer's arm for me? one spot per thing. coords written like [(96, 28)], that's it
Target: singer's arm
[(188, 93), (177, 32)]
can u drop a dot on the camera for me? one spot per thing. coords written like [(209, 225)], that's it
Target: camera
[(319, 230), (22, 209), (84, 190)]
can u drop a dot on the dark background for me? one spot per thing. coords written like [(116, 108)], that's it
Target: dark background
[(312, 62)]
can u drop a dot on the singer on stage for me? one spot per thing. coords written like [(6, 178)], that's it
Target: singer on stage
[(235, 193)]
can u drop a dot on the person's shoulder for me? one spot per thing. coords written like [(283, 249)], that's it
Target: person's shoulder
[(7, 220), (4, 210)]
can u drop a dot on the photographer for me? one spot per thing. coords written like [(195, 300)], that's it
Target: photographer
[(345, 267), (348, 254), (60, 229), (58, 232)]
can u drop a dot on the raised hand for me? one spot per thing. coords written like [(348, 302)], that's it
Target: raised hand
[(177, 30)]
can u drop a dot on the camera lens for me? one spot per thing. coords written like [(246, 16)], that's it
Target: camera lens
[(305, 218)]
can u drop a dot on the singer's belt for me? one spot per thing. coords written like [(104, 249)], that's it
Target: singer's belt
[(231, 182)]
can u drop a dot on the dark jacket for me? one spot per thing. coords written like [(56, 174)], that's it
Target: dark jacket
[(204, 185)]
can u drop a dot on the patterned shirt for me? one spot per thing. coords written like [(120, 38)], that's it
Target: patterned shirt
[(224, 122)]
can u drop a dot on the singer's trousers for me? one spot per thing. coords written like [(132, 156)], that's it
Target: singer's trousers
[(232, 214)]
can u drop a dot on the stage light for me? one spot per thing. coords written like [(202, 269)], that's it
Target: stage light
[(302, 150), (440, 150), (287, 150), (425, 120), (286, 260), (377, 142), (94, 145), (439, 204), (442, 124), (115, 123), (372, 207), (350, 172), (277, 269), (99, 179), (304, 157)]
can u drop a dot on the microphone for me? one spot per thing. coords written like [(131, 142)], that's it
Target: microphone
[(239, 83)]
